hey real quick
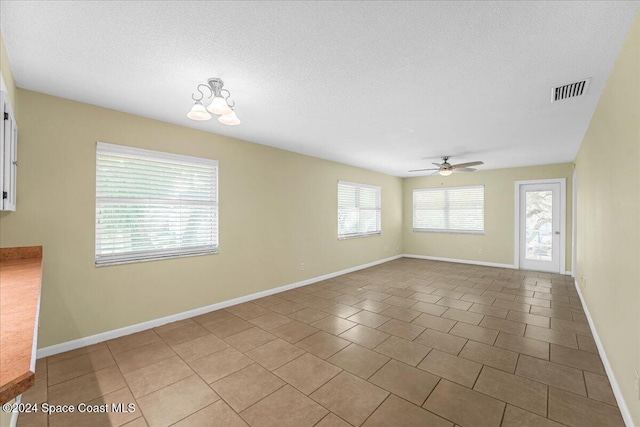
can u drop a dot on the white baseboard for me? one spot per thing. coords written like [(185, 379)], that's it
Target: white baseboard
[(127, 330), (460, 261), (624, 410), (467, 261)]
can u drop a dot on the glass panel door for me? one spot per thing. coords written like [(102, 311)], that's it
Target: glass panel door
[(540, 227)]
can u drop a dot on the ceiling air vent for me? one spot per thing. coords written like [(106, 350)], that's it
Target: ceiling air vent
[(569, 91)]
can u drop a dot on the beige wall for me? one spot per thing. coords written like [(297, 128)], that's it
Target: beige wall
[(277, 209), (7, 75), (608, 223), (496, 245)]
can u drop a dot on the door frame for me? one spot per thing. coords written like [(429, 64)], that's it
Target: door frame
[(563, 219), (574, 222)]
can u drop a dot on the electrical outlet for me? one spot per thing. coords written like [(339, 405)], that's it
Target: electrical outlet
[(480, 251), (302, 266)]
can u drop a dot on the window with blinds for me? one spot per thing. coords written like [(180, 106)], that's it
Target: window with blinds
[(452, 209), (359, 212), (153, 205)]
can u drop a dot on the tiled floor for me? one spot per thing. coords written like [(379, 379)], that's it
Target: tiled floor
[(406, 343)]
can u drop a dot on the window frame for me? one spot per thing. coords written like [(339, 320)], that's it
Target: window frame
[(358, 186), (446, 210), (155, 254)]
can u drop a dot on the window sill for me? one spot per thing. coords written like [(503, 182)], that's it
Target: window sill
[(357, 236), (421, 230), (158, 258)]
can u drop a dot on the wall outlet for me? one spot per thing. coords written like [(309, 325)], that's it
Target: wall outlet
[(302, 266), (480, 250)]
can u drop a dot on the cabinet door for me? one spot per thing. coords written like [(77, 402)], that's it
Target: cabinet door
[(8, 156)]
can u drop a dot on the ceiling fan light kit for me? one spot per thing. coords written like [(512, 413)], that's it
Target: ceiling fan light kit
[(446, 169), (220, 104)]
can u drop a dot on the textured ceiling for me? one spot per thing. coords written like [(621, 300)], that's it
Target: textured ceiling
[(388, 86)]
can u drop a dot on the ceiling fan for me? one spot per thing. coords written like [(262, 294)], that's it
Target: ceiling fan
[(446, 169)]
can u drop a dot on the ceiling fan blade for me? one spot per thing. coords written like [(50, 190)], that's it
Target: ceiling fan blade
[(422, 170), (437, 164), (464, 170), (464, 165)]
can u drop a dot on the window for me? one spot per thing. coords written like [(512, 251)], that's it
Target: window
[(452, 209), (153, 205), (358, 210)]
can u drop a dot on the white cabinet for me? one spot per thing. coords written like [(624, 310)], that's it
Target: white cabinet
[(8, 154)]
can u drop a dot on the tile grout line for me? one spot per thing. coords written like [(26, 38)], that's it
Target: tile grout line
[(379, 405), (477, 378), (287, 384), (127, 384), (259, 400), (194, 372), (430, 393), (548, 400)]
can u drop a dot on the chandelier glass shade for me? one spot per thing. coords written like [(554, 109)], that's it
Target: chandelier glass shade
[(198, 112), (220, 104), (229, 119)]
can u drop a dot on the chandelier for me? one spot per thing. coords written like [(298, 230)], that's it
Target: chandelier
[(220, 105)]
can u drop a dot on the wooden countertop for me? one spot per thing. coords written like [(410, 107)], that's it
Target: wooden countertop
[(20, 283)]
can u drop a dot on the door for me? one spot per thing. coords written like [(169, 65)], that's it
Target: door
[(539, 220)]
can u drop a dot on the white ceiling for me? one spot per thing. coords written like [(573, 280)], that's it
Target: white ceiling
[(388, 86)]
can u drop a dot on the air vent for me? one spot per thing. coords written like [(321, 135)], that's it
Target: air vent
[(571, 90)]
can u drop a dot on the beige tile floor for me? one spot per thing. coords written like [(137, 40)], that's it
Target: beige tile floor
[(406, 343)]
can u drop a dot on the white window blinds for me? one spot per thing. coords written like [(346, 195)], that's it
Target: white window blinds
[(452, 209), (359, 212), (152, 205)]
